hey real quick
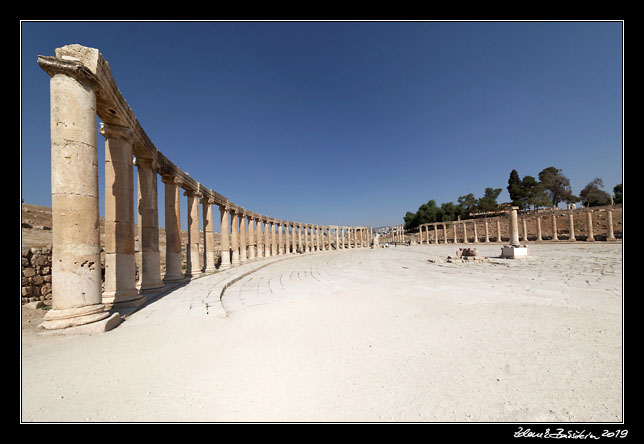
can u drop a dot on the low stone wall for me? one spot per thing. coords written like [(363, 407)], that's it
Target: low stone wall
[(36, 274)]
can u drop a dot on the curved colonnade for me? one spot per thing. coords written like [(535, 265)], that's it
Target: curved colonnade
[(82, 88)]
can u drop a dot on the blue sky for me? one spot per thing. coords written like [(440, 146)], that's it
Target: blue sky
[(349, 123)]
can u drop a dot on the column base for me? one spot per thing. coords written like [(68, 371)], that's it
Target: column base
[(128, 297), (73, 317), (174, 277), (147, 286), (209, 270)]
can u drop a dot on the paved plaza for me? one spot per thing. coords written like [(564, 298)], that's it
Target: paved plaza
[(391, 334)]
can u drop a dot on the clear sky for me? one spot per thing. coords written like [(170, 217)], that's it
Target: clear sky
[(349, 123)]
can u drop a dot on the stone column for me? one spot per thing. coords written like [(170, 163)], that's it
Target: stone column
[(225, 237), (234, 237), (258, 238), (280, 240), (514, 227), (487, 232), (120, 267), (300, 248), (539, 228), (150, 275), (251, 238), (173, 270), (337, 239), (273, 238), (209, 237), (76, 266), (267, 238), (499, 238), (193, 268), (455, 233), (476, 236), (465, 240), (243, 241), (293, 238), (611, 234), (554, 227), (571, 226), (287, 239), (525, 230), (305, 247), (589, 218)]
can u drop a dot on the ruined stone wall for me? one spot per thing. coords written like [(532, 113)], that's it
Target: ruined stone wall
[(36, 274)]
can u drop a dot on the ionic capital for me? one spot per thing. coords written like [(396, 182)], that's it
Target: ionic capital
[(117, 132)]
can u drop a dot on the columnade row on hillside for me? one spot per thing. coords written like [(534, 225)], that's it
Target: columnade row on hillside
[(82, 88), (545, 226)]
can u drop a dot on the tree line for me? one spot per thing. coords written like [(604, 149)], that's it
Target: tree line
[(549, 190)]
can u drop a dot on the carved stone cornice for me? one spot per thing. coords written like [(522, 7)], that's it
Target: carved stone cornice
[(69, 67)]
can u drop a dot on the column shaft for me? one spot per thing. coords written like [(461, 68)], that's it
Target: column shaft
[(234, 238), (120, 266), (193, 267), (172, 230), (209, 238), (76, 270), (225, 238), (150, 274)]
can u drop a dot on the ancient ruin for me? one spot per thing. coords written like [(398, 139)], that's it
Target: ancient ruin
[(82, 88)]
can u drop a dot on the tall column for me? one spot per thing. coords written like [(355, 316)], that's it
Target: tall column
[(267, 238), (120, 267), (251, 238), (76, 270), (465, 240), (571, 226), (287, 239), (611, 234), (589, 219), (337, 238), (525, 229), (172, 229), (280, 243), (193, 268), (476, 236), (487, 232), (259, 239), (539, 228), (150, 276), (273, 238), (306, 247), (224, 211), (209, 236), (318, 231), (554, 227), (300, 248), (293, 238), (455, 233), (234, 237), (499, 238), (243, 241), (514, 227)]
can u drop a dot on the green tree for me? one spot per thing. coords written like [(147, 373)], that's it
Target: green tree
[(592, 196), (618, 194), (467, 203), (515, 189), (411, 220), (533, 193), (557, 186), (450, 212), (488, 201)]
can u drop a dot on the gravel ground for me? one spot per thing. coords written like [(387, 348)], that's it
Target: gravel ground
[(392, 334)]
